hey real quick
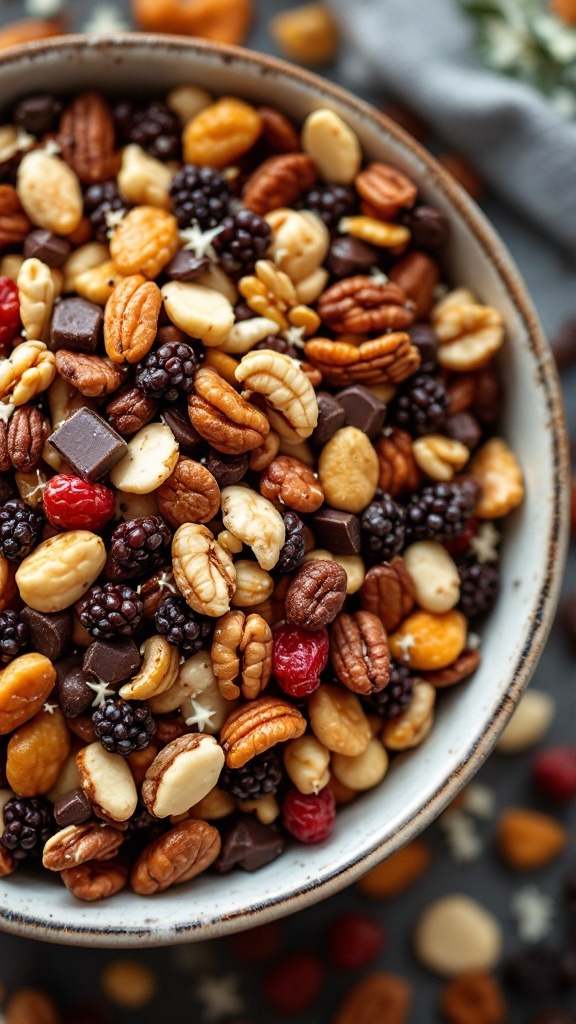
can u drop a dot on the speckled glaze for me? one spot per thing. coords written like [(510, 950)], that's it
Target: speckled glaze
[(471, 717)]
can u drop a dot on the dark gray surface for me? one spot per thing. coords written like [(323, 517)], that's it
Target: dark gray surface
[(74, 973)]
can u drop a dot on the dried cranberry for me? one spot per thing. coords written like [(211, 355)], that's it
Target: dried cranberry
[(293, 985), (9, 313), (299, 657), (458, 545), (76, 504), (554, 772), (354, 941), (257, 945), (309, 818)]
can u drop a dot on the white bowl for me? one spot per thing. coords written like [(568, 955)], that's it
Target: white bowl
[(470, 717)]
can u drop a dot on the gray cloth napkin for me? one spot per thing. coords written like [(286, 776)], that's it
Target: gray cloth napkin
[(422, 52)]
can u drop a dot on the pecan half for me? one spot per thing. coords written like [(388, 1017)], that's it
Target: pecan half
[(399, 473), (418, 275), (378, 997), (7, 863), (189, 495), (77, 844), (255, 727), (279, 182), (86, 138), (5, 461), (293, 483), (91, 375), (204, 572), (360, 654), (359, 304), (177, 856), (387, 190), (25, 438), (242, 655), (95, 880), (388, 592), (14, 224), (130, 410), (153, 591), (461, 669), (386, 360), (316, 594), (278, 132), (224, 419), (131, 319)]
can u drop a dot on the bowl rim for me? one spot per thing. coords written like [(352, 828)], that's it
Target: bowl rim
[(543, 608)]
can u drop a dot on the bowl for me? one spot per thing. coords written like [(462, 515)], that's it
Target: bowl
[(470, 718)]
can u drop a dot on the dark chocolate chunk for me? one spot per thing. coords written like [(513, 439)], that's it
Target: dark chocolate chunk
[(76, 325), (564, 345), (464, 427), (227, 469), (49, 634), (331, 417), (46, 246), (114, 661), (349, 256), (363, 409), (186, 266), (188, 438), (339, 532), (429, 227), (72, 808), (74, 694), (88, 444), (423, 337), (250, 845), (38, 114)]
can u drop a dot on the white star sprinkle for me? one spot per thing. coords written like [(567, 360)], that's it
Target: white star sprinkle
[(200, 242), (462, 840), (101, 691), (39, 488), (24, 140), (201, 716), (295, 336), (533, 912), (485, 544), (378, 276), (479, 801), (49, 708), (405, 644), (473, 641), (6, 410), (105, 18), (113, 220), (43, 8), (219, 997), (195, 957), (164, 584), (52, 148)]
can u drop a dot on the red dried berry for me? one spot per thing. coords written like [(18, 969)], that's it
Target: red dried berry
[(458, 545), (354, 941), (76, 504), (9, 313), (299, 657), (309, 818), (293, 985), (554, 772), (257, 945)]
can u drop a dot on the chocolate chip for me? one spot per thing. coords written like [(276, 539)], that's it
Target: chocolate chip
[(423, 337), (243, 311), (38, 114), (74, 694), (49, 634), (250, 845), (186, 266), (227, 469), (429, 227), (88, 444), (76, 325), (339, 532), (362, 409), (46, 246), (72, 809), (349, 256), (188, 438), (114, 661), (464, 427), (331, 417)]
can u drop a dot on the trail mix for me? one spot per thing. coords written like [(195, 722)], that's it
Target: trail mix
[(249, 482)]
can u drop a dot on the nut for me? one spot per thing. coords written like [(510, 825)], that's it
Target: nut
[(253, 584), (77, 844), (364, 771), (291, 482), (131, 319), (378, 997), (181, 774), (386, 360), (130, 410), (418, 275), (501, 488), (399, 473), (332, 145), (266, 808), (359, 304), (245, 334), (25, 438), (398, 872), (434, 574), (157, 673), (29, 1005), (8, 589), (224, 21), (279, 181), (142, 180), (469, 334), (388, 592), (36, 295), (179, 855), (242, 655), (359, 651), (338, 720), (427, 641), (28, 371), (195, 677), (91, 375), (7, 863), (50, 192), (107, 782), (316, 594), (353, 566), (386, 189), (254, 520), (440, 457), (348, 470), (96, 880), (98, 283), (37, 753), (224, 419), (376, 232), (221, 133), (307, 764), (86, 138), (407, 730), (151, 457), (215, 805), (289, 395), (279, 133), (528, 840), (145, 241), (203, 570), (300, 241), (60, 570), (455, 935), (255, 727), (529, 723), (264, 455), (14, 224), (25, 684), (473, 998), (189, 495), (188, 100), (199, 311)]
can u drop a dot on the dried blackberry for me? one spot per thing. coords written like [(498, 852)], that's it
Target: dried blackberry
[(154, 127), (278, 344), (294, 547), (99, 200), (383, 525), (199, 194), (395, 697), (14, 635), (181, 626), (123, 726), (138, 546), (28, 823), (168, 372), (330, 203), (441, 511), (20, 529), (260, 777), (479, 586), (111, 610), (243, 240), (422, 406)]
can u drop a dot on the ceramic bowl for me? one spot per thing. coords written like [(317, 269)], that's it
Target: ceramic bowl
[(470, 717)]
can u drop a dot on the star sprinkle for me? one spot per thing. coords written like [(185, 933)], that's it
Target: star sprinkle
[(479, 801), (295, 336), (484, 545), (533, 912), (105, 19), (201, 716), (24, 141), (219, 997), (113, 220), (405, 644), (462, 839), (6, 410), (39, 489), (378, 276), (52, 148), (200, 242), (49, 708), (101, 692), (43, 8)]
